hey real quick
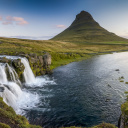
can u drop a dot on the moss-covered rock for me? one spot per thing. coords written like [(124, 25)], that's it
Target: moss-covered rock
[(19, 68), (40, 65), (5, 60)]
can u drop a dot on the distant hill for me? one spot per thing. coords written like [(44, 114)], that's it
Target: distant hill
[(85, 29)]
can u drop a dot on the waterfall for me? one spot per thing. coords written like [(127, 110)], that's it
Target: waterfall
[(13, 75), (28, 74), (12, 93), (12, 90), (3, 76)]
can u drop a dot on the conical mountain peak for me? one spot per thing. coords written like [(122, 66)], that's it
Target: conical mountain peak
[(85, 29), (83, 15)]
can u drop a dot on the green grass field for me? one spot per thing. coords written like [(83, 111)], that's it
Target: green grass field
[(62, 52)]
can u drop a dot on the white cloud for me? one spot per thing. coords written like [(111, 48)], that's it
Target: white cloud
[(1, 18), (60, 26), (20, 20), (10, 20)]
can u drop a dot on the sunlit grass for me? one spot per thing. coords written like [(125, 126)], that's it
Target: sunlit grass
[(60, 51)]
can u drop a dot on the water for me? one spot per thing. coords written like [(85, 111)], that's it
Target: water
[(13, 95), (82, 93), (86, 93)]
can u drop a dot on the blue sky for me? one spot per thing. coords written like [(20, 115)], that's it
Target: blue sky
[(43, 19)]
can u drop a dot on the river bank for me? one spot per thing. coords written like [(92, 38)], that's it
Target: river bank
[(65, 52)]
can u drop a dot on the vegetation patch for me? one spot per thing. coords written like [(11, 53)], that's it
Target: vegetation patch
[(9, 119)]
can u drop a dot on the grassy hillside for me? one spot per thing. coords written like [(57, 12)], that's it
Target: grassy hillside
[(86, 29), (62, 52)]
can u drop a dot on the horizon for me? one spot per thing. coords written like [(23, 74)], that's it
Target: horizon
[(44, 19)]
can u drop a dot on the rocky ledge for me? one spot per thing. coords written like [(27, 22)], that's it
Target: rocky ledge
[(40, 65)]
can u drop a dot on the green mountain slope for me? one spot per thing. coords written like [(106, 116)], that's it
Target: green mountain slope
[(86, 29)]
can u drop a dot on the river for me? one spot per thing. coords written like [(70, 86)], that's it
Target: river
[(83, 93)]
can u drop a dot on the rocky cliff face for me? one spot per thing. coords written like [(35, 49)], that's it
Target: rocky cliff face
[(40, 64)]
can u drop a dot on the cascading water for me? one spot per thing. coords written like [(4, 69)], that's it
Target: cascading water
[(28, 74), (12, 91), (13, 75), (3, 76), (13, 95)]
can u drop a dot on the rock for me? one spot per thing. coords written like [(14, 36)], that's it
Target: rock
[(1, 89), (4, 60), (33, 60), (24, 55), (121, 122), (40, 60), (117, 70), (109, 85), (18, 65), (107, 100), (47, 60), (19, 68), (122, 77), (33, 55)]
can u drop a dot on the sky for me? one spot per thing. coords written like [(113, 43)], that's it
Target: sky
[(43, 19)]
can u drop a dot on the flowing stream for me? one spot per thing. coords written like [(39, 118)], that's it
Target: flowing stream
[(82, 93)]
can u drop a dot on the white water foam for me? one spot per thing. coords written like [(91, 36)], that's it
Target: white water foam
[(13, 95)]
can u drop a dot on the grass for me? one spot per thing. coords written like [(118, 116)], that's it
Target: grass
[(9, 119), (62, 52)]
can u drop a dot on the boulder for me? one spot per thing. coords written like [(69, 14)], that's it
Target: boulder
[(33, 60), (47, 60), (33, 55), (40, 60), (1, 89)]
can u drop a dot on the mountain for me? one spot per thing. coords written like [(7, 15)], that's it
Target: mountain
[(85, 29)]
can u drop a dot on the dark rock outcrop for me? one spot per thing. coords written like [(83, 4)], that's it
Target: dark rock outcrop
[(19, 68), (18, 65), (1, 89), (5, 60)]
